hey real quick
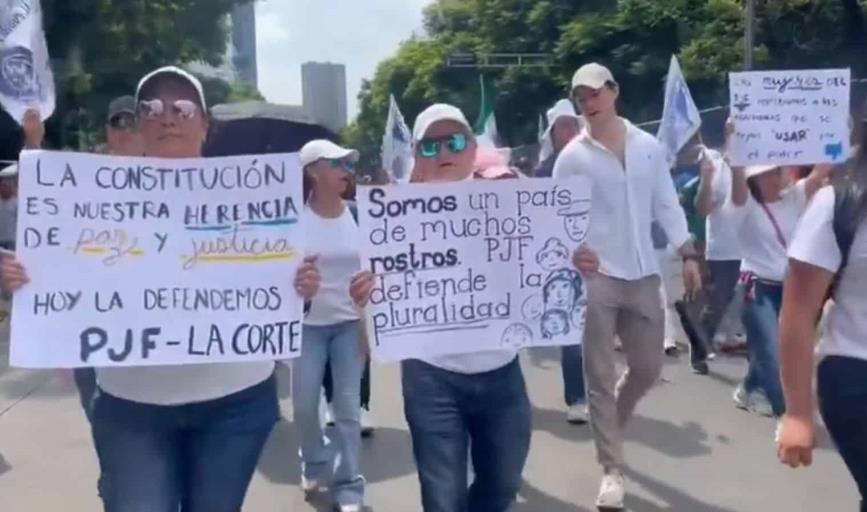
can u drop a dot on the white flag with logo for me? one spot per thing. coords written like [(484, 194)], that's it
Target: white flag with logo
[(680, 117), (26, 80), (397, 155)]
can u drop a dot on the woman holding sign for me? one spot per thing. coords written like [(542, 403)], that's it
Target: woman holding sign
[(179, 437), (766, 214), (332, 329), (476, 400)]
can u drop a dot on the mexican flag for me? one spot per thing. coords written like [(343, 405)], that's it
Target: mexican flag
[(486, 124)]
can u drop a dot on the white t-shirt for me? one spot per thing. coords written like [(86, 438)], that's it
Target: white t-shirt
[(336, 241), (184, 384), (477, 362), (763, 253), (722, 238), (845, 332)]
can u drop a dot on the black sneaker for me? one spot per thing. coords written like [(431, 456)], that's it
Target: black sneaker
[(700, 368)]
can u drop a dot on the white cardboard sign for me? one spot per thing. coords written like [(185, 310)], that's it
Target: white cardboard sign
[(474, 266), (137, 261), (796, 117)]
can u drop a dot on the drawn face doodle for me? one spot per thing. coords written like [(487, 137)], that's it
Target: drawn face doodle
[(555, 323), (516, 336), (560, 295), (553, 256), (532, 308), (576, 226)]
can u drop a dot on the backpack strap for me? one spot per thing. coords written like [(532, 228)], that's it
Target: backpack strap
[(847, 196), (848, 212)]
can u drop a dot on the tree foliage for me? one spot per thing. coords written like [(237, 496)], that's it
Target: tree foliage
[(100, 48), (635, 38)]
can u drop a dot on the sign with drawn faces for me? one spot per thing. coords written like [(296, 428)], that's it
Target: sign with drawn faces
[(474, 266), (795, 117), (137, 261)]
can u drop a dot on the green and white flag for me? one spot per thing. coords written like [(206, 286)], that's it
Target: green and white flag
[(486, 125)]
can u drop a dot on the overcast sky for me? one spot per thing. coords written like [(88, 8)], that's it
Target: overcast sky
[(357, 33)]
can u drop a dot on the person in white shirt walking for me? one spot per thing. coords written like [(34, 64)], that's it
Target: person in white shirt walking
[(468, 403), (765, 214), (332, 329), (631, 187), (828, 254)]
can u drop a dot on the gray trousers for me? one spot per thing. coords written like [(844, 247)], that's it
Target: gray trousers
[(633, 311)]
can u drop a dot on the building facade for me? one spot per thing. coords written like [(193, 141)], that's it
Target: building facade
[(324, 91)]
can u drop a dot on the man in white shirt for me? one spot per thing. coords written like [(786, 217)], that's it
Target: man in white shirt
[(631, 187)]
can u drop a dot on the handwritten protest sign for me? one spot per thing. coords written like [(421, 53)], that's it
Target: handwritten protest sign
[(473, 266), (790, 117), (137, 261)]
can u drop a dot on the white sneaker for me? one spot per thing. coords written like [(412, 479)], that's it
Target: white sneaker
[(350, 508), (741, 398), (759, 404), (311, 486), (329, 416), (367, 426), (577, 414), (611, 492)]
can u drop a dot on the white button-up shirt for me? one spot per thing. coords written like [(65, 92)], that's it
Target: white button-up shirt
[(625, 201)]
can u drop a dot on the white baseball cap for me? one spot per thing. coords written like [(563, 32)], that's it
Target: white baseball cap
[(755, 170), (322, 149), (436, 113), (176, 71), (592, 75), (10, 171)]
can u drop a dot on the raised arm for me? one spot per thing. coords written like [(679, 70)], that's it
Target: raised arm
[(34, 131)]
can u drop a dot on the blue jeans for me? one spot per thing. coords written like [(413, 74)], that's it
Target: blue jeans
[(572, 362), (450, 413), (842, 390), (338, 345), (761, 321), (85, 382), (196, 457)]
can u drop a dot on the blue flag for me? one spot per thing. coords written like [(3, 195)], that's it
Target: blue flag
[(680, 117)]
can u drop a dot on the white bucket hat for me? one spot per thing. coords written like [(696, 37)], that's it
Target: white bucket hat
[(754, 170), (563, 108)]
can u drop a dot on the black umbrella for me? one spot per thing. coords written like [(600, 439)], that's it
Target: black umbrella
[(256, 127)]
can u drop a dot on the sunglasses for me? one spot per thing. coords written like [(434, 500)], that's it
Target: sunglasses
[(341, 163), (123, 121), (152, 109), (456, 143)]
